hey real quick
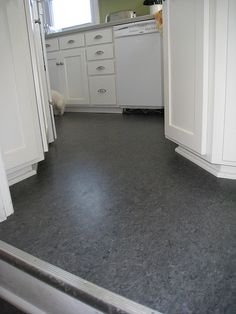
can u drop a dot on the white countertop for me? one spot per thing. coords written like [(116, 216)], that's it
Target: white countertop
[(98, 26)]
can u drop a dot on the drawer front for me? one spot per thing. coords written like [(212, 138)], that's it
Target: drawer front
[(72, 41), (103, 90), (100, 52), (97, 37), (52, 44), (101, 67)]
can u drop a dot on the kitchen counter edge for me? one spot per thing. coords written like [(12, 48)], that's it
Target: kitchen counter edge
[(99, 26)]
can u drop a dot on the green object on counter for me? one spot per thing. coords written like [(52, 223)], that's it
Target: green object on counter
[(108, 6)]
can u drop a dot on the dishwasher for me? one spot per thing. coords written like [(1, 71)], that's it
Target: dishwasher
[(138, 49)]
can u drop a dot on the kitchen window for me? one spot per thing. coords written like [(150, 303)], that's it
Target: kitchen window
[(64, 14)]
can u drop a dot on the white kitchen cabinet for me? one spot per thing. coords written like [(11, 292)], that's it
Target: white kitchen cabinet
[(186, 54), (74, 75), (103, 90), (39, 63), (79, 57), (68, 75), (199, 78), (100, 52), (99, 36), (52, 45), (55, 71), (20, 133)]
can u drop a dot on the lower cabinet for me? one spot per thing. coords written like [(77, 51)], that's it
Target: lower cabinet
[(103, 90), (20, 132), (68, 75), (82, 69)]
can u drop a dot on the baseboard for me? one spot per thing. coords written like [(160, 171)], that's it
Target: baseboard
[(21, 174), (94, 109), (37, 287), (219, 171)]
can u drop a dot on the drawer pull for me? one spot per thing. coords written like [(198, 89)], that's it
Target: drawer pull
[(100, 68), (48, 45), (99, 52), (71, 41), (98, 37), (102, 91)]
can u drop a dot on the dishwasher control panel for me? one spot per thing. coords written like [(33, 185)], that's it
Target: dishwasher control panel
[(132, 29)]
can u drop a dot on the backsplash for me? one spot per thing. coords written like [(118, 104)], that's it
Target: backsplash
[(107, 6)]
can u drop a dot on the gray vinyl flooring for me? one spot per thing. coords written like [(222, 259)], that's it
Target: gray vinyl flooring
[(114, 204)]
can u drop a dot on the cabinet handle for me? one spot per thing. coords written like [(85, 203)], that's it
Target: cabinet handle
[(71, 41), (98, 37), (100, 68), (99, 52), (48, 45), (102, 91), (38, 21), (58, 63)]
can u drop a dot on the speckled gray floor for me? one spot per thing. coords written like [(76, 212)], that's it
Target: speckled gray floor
[(115, 205)]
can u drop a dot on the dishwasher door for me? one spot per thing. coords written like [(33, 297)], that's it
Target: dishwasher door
[(139, 70)]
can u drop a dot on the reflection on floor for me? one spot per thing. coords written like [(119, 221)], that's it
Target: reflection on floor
[(115, 205)]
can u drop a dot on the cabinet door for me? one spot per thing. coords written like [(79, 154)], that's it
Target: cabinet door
[(54, 70), (75, 76), (185, 72), (20, 137)]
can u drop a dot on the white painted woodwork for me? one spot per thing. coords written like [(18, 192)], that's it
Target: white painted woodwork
[(37, 63), (52, 133), (102, 90), (99, 36), (229, 146), (55, 71), (20, 137), (68, 75), (6, 208), (100, 52), (52, 44), (72, 41), (186, 81), (74, 76), (212, 84), (101, 67)]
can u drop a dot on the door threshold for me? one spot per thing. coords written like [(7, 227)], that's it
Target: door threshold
[(35, 286)]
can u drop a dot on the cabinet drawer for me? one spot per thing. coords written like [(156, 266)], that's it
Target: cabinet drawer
[(103, 90), (72, 41), (52, 44), (97, 37), (100, 52), (101, 67)]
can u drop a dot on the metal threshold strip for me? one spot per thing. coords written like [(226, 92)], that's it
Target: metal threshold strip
[(97, 298)]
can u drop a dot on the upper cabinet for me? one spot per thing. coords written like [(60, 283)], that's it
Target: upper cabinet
[(186, 77)]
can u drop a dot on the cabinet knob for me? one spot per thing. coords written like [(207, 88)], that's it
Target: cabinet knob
[(98, 37), (57, 63), (99, 52), (71, 41), (102, 91), (100, 68), (61, 63), (48, 45)]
